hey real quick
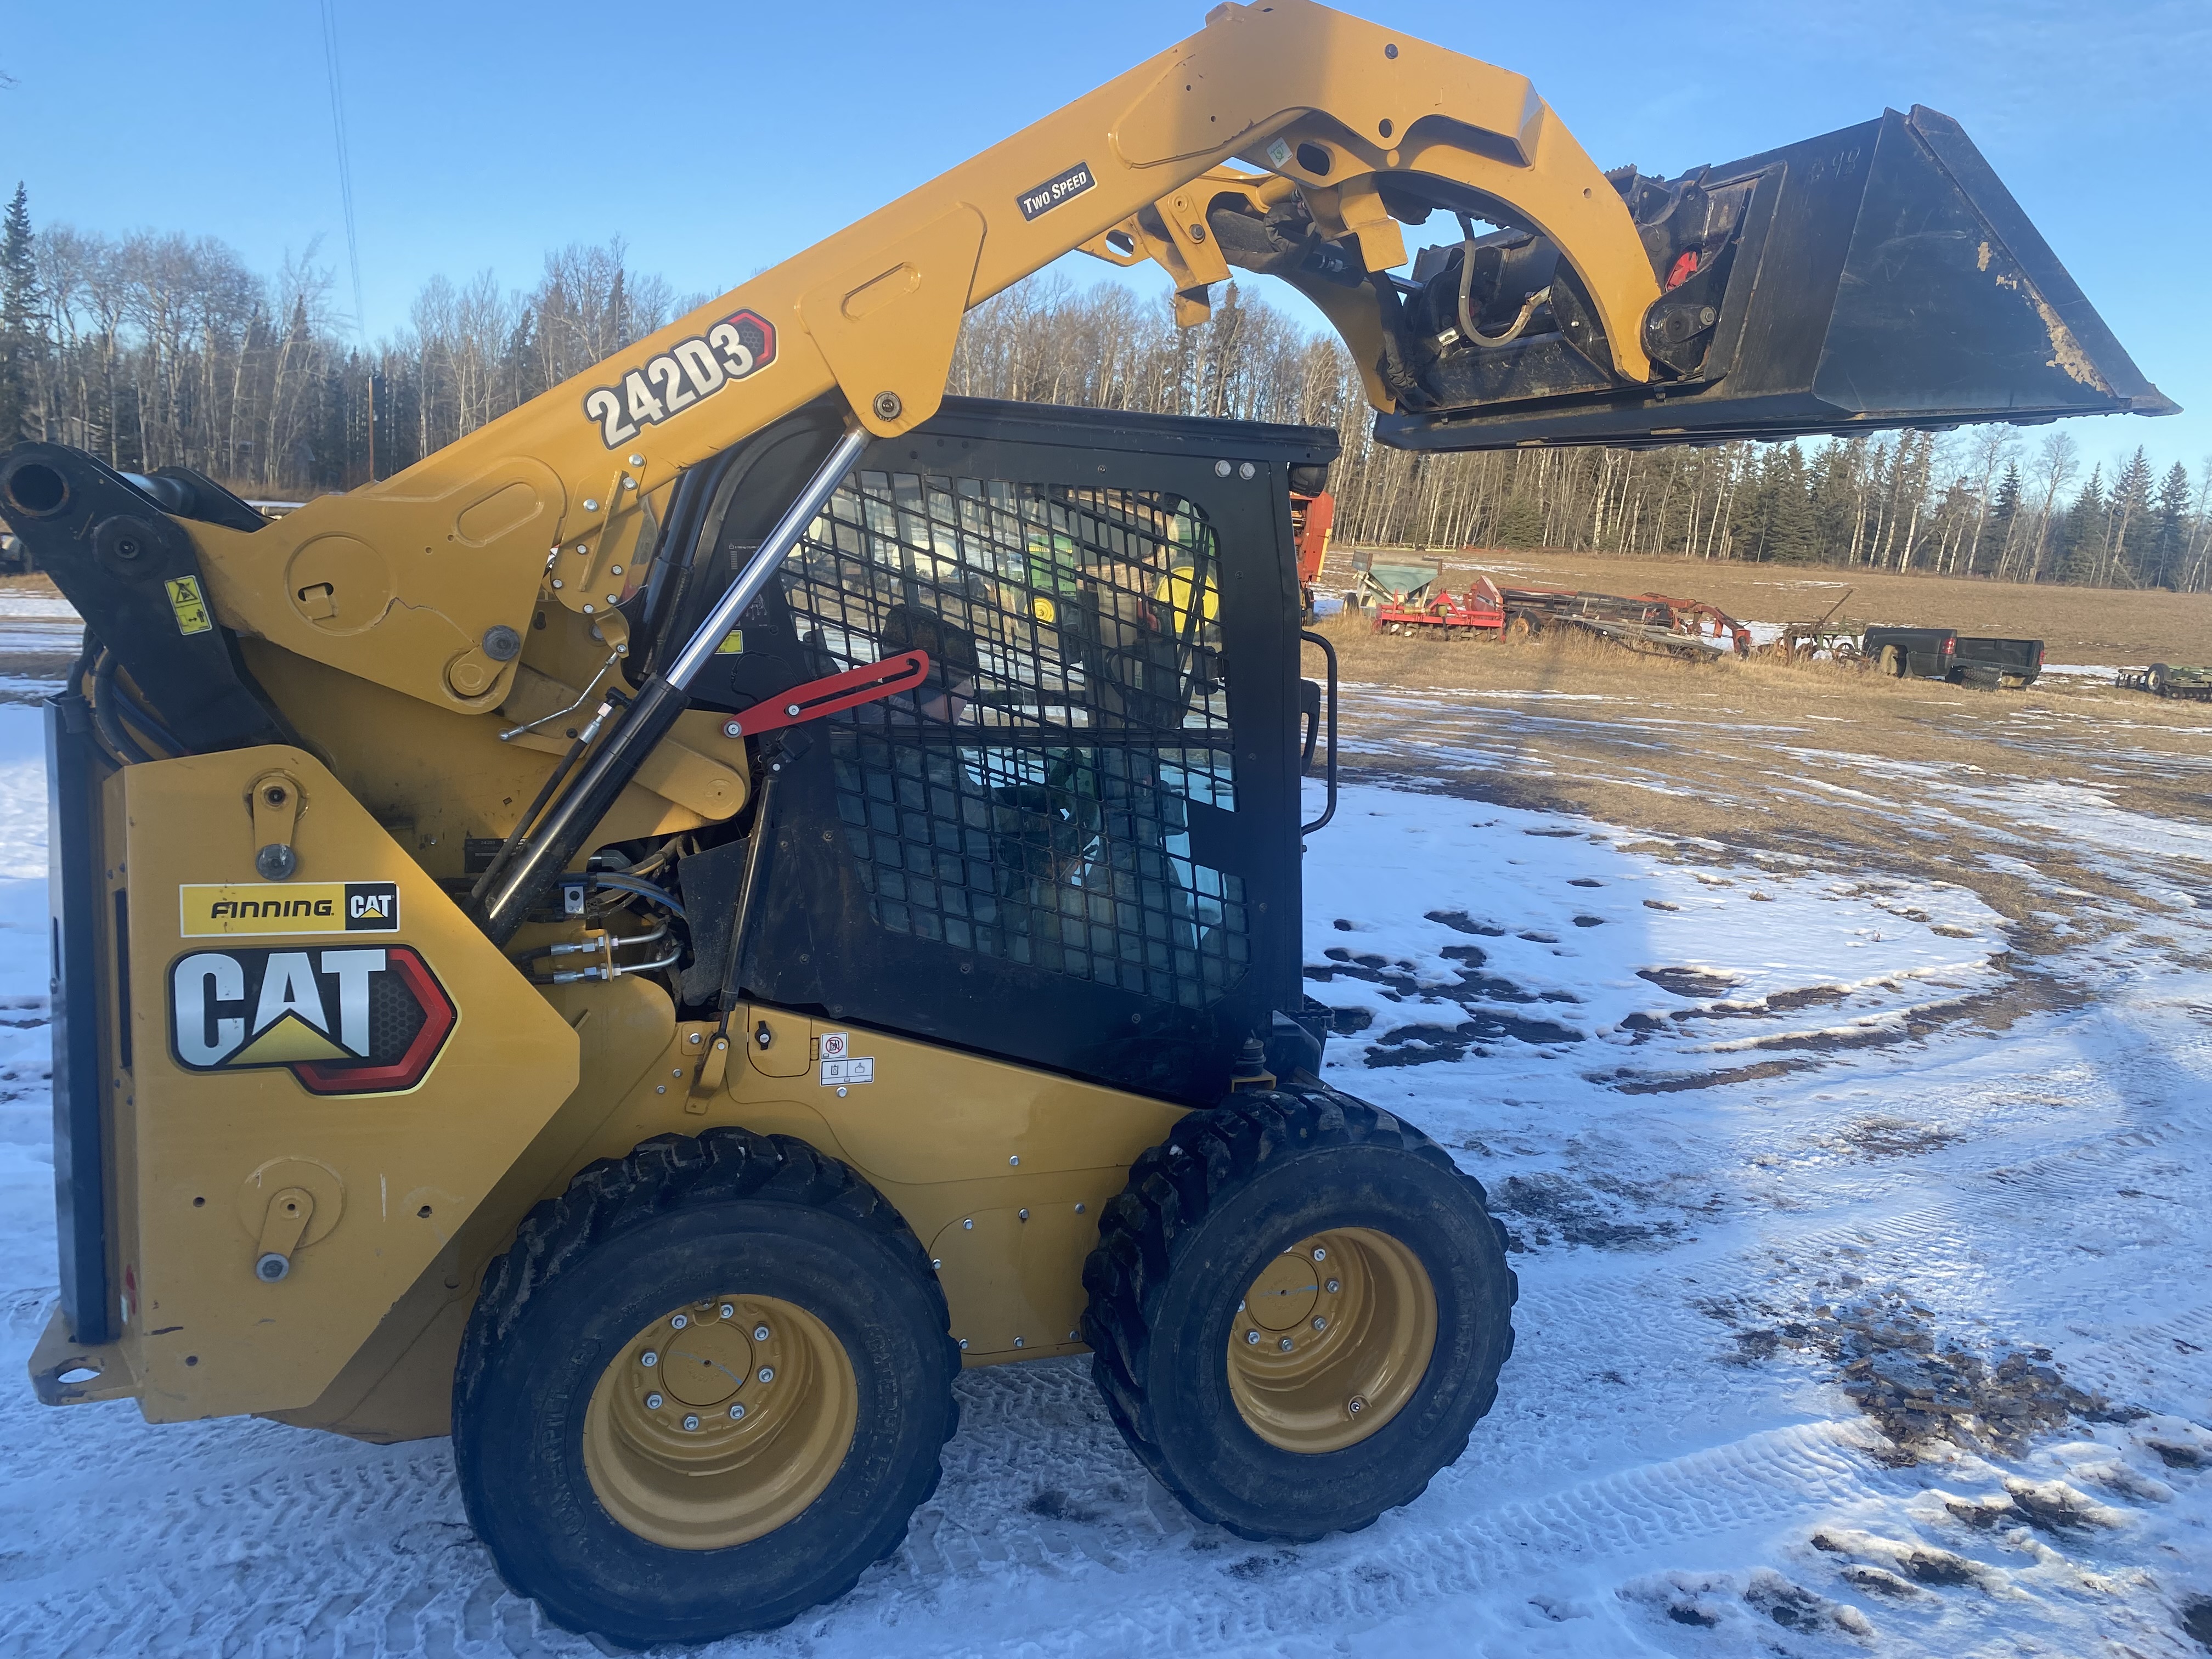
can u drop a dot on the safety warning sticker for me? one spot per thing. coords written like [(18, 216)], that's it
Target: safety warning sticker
[(189, 606), (838, 1072)]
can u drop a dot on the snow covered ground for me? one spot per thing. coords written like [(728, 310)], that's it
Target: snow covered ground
[(1864, 1261)]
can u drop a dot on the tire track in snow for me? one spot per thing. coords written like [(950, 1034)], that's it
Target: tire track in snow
[(1225, 1592), (2159, 1364)]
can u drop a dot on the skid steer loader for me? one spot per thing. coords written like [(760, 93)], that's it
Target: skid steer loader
[(653, 938)]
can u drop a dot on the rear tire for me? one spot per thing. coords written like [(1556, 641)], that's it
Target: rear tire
[(732, 1517), (1258, 1417)]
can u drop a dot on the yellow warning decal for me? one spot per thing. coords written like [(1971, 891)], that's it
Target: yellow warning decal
[(732, 645), (212, 910), (191, 609)]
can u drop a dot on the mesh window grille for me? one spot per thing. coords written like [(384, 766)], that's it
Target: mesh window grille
[(1031, 801)]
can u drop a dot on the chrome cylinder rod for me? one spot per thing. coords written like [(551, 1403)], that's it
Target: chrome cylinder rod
[(534, 864)]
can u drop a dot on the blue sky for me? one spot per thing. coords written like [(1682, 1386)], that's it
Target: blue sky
[(718, 138)]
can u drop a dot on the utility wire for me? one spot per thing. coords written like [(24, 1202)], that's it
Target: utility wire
[(345, 193), (345, 159)]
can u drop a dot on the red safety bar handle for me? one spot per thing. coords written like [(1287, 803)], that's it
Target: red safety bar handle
[(829, 695)]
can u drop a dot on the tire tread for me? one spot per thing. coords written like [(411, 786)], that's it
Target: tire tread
[(1144, 1232), (609, 1197)]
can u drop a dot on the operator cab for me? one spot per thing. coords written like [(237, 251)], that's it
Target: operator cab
[(1077, 843)]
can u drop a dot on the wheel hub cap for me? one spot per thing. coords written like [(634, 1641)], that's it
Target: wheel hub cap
[(719, 1422), (1335, 1335)]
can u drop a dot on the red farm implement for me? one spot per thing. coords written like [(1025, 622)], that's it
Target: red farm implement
[(1480, 610), (1655, 623)]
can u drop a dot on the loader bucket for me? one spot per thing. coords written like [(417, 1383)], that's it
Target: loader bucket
[(1879, 276)]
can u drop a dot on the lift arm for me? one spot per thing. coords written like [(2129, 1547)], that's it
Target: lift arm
[(409, 581), (1878, 275)]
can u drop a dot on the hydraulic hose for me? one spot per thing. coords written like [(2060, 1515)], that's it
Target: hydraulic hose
[(644, 890), (104, 697)]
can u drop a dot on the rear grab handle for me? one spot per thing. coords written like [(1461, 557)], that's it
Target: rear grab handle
[(1328, 652)]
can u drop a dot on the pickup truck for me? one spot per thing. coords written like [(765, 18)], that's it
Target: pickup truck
[(1944, 653)]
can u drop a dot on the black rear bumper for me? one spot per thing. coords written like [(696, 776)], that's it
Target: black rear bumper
[(76, 889)]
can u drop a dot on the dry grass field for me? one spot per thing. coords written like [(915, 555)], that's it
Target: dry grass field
[(2077, 624), (1817, 761)]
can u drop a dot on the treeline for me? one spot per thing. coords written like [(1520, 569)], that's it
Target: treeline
[(157, 350), (1978, 502), (150, 349)]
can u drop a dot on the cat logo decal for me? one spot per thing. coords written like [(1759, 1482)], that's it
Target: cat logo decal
[(350, 1021)]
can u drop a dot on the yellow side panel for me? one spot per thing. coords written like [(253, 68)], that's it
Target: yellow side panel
[(213, 1141), (927, 1115), (1000, 1170)]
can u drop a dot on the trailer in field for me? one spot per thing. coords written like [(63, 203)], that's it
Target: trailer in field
[(2169, 680)]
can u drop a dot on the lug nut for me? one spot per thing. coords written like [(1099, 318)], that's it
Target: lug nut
[(1252, 1338), (653, 1402), (1284, 1345), (692, 1425), (768, 1373), (1334, 1287), (760, 1333), (1321, 1324), (648, 1359), (681, 1320), (1355, 1405), (1320, 1254), (728, 1312), (736, 1411)]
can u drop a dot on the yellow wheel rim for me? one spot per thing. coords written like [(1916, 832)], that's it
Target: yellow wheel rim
[(719, 1422), (1331, 1340)]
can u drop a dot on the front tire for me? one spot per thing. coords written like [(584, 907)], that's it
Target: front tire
[(703, 1391), (1298, 1310)]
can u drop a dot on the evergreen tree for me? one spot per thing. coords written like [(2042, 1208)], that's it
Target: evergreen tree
[(518, 365), (1834, 481), (1996, 533), (2130, 520), (1789, 525), (2170, 540), (1522, 524), (21, 336), (2082, 534)]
